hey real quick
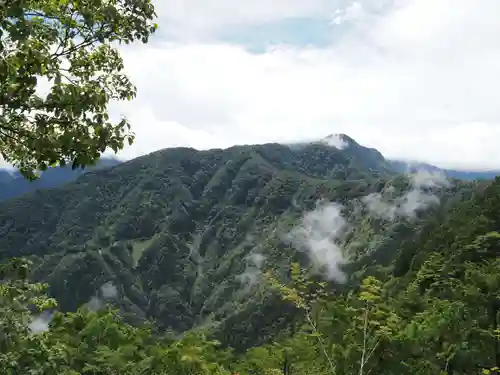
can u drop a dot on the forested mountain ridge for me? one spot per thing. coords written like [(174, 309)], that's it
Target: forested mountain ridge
[(200, 241), (197, 214), (177, 230), (13, 184)]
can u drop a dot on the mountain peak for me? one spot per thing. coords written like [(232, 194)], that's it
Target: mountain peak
[(338, 140)]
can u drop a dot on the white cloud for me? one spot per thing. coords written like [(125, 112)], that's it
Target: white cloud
[(416, 79), (353, 12), (419, 196), (200, 19), (319, 234), (335, 140), (108, 290), (253, 270)]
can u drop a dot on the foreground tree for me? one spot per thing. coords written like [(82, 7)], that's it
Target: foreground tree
[(20, 302), (36, 339), (67, 47)]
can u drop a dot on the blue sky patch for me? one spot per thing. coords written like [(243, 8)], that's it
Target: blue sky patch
[(300, 32)]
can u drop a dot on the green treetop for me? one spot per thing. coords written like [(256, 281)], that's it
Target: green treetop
[(71, 44)]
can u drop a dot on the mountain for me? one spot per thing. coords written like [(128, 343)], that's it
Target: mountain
[(374, 159), (368, 158), (13, 184), (404, 166), (184, 235), (173, 229), (303, 259)]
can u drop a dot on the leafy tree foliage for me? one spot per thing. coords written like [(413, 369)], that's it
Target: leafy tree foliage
[(88, 342), (68, 46)]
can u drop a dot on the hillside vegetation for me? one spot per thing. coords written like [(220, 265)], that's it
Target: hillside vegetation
[(174, 229), (306, 260)]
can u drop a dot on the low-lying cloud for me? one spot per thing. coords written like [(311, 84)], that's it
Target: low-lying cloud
[(335, 140), (418, 197), (253, 270), (318, 234), (321, 232), (106, 292)]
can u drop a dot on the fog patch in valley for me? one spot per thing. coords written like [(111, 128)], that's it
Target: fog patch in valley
[(41, 322), (318, 234), (106, 292), (321, 232), (253, 270), (419, 196)]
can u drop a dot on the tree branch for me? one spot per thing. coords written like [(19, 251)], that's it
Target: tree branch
[(323, 347)]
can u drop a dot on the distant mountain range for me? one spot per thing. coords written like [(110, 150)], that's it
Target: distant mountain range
[(404, 166), (12, 183)]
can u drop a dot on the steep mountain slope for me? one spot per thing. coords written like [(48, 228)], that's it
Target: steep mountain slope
[(360, 156), (175, 185), (182, 234), (13, 184)]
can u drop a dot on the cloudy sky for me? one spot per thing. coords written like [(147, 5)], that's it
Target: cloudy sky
[(416, 79)]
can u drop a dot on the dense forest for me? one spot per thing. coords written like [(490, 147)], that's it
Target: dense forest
[(253, 260), (310, 258)]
